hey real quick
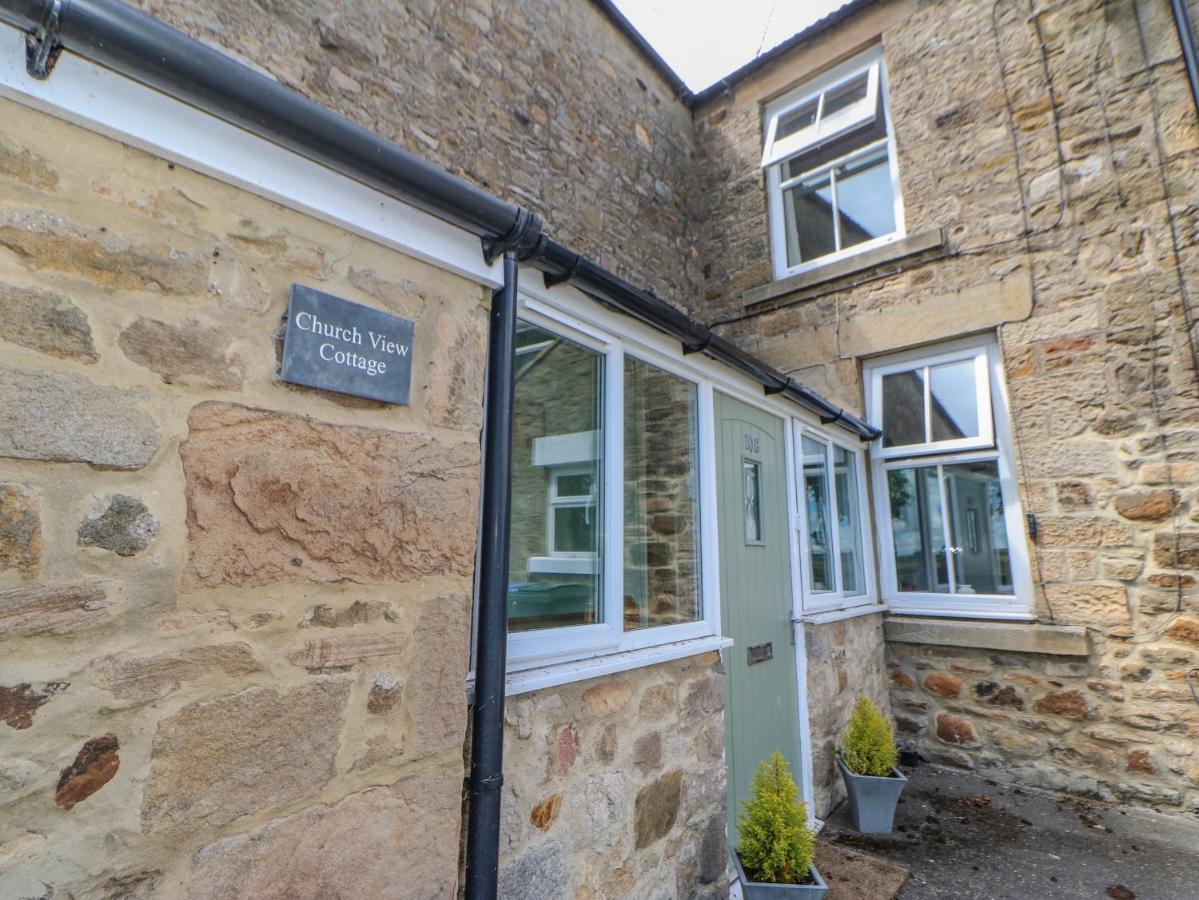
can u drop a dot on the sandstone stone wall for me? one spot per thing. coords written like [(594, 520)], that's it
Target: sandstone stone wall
[(542, 102), (1091, 148), (233, 612), (842, 666), (615, 787)]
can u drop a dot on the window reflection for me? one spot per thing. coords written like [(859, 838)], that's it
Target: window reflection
[(557, 505), (820, 548), (661, 498)]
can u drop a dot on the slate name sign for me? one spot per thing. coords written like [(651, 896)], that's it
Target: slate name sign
[(346, 347)]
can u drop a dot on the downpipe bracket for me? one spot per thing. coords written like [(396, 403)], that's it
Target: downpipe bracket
[(42, 47)]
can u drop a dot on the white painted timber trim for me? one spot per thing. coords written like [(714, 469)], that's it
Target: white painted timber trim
[(537, 679), (100, 100)]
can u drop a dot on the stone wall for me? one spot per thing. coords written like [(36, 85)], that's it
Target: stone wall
[(1092, 146), (842, 666), (541, 102), (615, 787), (233, 612)]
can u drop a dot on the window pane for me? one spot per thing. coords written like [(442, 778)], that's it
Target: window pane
[(574, 529), (809, 210), (980, 548), (661, 498), (796, 120), (815, 476), (751, 473), (849, 528), (576, 485), (865, 201), (916, 524), (845, 95), (903, 408), (556, 548), (953, 405)]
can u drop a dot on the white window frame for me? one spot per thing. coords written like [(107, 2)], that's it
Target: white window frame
[(974, 352), (546, 646), (776, 154), (825, 601), (1020, 604)]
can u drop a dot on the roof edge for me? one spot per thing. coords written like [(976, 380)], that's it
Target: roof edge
[(638, 40)]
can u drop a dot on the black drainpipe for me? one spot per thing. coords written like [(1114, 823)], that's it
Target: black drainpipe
[(491, 623), (1186, 39)]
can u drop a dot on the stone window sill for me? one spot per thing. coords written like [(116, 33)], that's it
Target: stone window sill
[(918, 242), (1031, 637)]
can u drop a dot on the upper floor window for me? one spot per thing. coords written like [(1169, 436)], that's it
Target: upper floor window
[(830, 167), (950, 528)]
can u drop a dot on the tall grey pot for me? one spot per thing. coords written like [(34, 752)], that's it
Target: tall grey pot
[(873, 798), (763, 890)]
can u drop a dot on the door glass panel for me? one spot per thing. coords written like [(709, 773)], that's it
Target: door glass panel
[(849, 528), (953, 404), (809, 211), (864, 199), (820, 547), (917, 528), (661, 498), (903, 408), (556, 549), (980, 549), (751, 476)]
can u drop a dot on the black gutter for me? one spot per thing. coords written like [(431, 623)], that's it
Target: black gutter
[(836, 17), (491, 623), (1186, 39), (141, 47)]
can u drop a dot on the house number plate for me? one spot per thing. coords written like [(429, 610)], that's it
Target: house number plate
[(759, 653)]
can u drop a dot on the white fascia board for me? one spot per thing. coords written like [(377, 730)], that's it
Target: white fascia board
[(100, 100)]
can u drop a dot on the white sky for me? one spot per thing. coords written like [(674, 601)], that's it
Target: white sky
[(704, 40)]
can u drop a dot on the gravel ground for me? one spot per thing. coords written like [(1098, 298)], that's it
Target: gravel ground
[(963, 836)]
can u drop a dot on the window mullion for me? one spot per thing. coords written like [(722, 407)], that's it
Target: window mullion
[(612, 502), (950, 563), (832, 180), (928, 405)]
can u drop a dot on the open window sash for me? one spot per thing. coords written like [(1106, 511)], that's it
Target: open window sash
[(821, 115)]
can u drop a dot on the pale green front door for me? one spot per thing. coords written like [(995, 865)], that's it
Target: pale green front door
[(762, 711)]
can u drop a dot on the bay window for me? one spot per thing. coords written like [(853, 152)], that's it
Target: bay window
[(831, 173), (948, 513), (605, 548)]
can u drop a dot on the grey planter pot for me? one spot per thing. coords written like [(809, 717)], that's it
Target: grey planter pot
[(761, 890), (873, 798)]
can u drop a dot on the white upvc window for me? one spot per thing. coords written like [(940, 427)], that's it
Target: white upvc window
[(947, 507), (613, 485), (831, 171), (833, 512)]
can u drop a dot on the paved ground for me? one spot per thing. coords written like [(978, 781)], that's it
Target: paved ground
[(968, 838)]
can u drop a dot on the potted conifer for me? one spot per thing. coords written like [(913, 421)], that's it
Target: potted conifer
[(867, 761), (776, 845)]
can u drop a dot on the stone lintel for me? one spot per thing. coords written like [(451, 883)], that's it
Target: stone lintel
[(1016, 637)]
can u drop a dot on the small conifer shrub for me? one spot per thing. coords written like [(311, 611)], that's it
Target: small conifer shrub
[(776, 846), (869, 747)]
